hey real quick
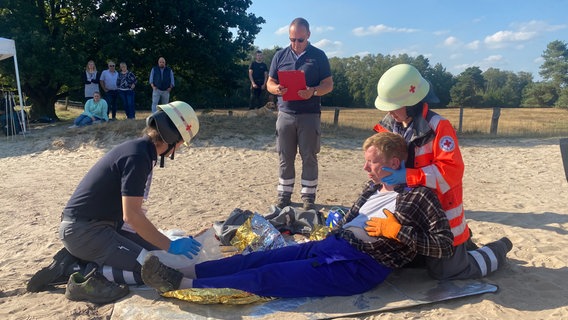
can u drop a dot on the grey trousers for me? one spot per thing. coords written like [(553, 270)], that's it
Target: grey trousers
[(465, 264), (101, 243), (298, 132)]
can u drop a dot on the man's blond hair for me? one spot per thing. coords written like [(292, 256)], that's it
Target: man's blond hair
[(389, 144)]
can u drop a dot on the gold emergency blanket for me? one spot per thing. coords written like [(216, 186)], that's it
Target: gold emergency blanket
[(245, 237), (215, 296)]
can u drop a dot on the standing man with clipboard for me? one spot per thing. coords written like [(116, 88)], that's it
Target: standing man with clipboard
[(298, 126)]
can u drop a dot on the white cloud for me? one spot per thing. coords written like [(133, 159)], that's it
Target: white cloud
[(323, 29), (494, 58), (282, 30), (538, 60), (538, 26), (380, 28), (441, 32), (502, 39), (331, 48), (451, 41), (522, 33), (474, 45)]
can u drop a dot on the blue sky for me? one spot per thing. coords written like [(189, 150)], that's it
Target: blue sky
[(508, 35)]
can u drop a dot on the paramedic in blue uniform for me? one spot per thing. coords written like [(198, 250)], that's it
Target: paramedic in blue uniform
[(298, 123), (104, 222)]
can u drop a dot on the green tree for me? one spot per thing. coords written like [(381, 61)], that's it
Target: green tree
[(540, 94), (340, 96), (555, 65), (504, 88), (562, 101), (468, 89), (203, 41), (442, 81)]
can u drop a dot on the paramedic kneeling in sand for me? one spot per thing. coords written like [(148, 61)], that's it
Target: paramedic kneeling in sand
[(348, 261), (104, 221)]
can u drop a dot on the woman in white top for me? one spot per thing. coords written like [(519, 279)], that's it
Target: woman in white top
[(91, 79)]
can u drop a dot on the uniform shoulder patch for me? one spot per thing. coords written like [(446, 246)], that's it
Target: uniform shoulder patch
[(447, 143)]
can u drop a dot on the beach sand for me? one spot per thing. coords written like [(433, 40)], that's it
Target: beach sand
[(512, 187)]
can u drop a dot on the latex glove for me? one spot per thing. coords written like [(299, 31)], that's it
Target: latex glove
[(333, 218), (387, 227), (188, 246), (396, 177)]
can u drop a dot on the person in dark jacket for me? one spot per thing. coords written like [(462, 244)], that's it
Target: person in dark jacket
[(162, 82)]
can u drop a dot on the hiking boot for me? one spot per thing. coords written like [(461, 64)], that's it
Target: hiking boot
[(56, 273), (94, 287), (309, 204), (283, 202), (159, 276)]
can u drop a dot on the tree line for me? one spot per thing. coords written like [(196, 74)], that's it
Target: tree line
[(355, 81), (209, 45)]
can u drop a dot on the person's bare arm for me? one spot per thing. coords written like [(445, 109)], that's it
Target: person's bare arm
[(134, 216)]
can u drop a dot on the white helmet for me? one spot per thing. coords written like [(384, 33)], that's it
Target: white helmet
[(183, 122), (400, 86)]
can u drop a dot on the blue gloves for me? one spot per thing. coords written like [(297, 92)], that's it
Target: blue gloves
[(188, 246), (396, 177)]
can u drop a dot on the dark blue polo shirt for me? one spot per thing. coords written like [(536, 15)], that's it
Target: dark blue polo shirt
[(316, 67), (123, 171)]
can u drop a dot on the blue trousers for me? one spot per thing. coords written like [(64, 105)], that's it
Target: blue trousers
[(111, 97), (331, 267), (84, 120), (127, 97)]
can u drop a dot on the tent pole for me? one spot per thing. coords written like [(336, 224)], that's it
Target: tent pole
[(20, 93)]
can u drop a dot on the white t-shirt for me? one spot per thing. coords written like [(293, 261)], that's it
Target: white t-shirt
[(373, 208)]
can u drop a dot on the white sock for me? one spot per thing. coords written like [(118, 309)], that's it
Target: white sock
[(186, 283)]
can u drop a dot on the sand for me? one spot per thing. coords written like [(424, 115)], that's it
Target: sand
[(512, 187)]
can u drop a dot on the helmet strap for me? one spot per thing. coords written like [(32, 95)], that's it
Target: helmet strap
[(163, 155)]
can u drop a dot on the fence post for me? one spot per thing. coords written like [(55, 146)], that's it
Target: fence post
[(495, 120), (336, 117), (66, 103), (564, 153), (461, 120)]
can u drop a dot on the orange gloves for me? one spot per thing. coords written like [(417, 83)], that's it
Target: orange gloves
[(387, 227)]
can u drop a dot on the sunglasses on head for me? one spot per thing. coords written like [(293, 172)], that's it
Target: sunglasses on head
[(300, 40)]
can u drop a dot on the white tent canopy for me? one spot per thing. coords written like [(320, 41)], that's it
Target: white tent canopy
[(7, 50)]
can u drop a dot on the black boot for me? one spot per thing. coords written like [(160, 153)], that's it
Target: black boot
[(58, 272)]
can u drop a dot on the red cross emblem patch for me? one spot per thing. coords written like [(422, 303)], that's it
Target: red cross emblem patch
[(412, 89), (447, 143)]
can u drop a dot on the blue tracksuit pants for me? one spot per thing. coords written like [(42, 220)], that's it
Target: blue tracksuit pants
[(331, 267)]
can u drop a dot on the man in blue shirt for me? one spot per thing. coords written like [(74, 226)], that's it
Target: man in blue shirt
[(298, 123)]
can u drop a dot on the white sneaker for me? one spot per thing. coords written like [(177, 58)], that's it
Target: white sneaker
[(73, 127)]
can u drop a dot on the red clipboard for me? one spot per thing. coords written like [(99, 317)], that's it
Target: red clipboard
[(293, 80)]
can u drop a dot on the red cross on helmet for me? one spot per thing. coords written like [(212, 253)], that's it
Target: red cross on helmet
[(400, 86), (184, 120)]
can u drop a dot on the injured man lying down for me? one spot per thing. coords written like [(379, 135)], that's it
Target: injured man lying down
[(386, 228)]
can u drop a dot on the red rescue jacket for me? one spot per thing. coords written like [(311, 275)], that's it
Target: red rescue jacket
[(435, 161)]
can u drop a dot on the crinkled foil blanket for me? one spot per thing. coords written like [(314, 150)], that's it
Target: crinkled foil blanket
[(249, 237)]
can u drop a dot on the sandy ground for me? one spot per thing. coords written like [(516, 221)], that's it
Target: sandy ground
[(512, 187)]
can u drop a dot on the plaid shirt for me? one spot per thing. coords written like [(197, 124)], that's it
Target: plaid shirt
[(425, 229)]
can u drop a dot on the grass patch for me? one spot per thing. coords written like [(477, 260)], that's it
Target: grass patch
[(352, 123)]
